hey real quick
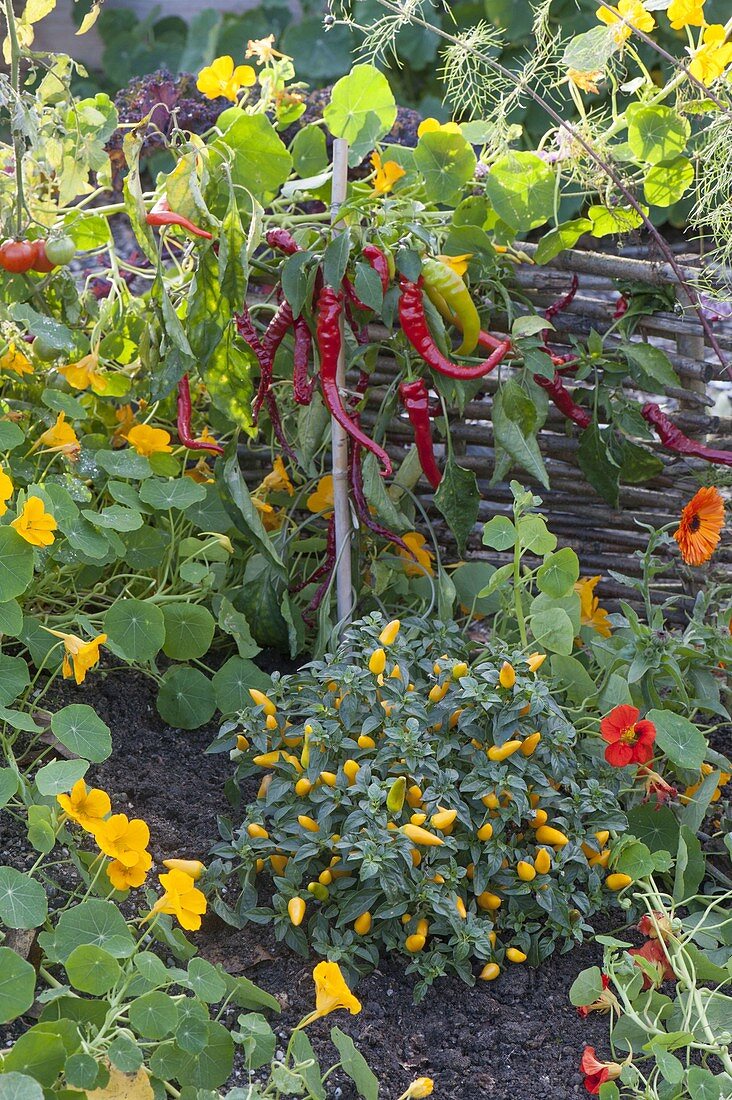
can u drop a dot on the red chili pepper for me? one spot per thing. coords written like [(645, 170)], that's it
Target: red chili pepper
[(283, 241), (378, 261), (563, 400), (161, 214), (565, 363), (675, 440), (361, 504), (621, 307), (326, 565), (324, 570), (184, 421), (265, 347), (564, 302), (415, 328), (276, 421), (415, 399), (329, 346), (302, 385)]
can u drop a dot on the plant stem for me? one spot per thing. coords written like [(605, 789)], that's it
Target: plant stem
[(517, 601), (18, 139)]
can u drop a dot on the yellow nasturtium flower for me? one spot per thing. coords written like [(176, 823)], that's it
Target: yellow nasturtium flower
[(277, 480), (685, 13), (331, 993), (585, 79), (591, 614), (6, 491), (123, 877), (628, 14), (149, 441), (79, 656), (15, 361), (417, 544), (713, 57), (387, 173), (35, 524), (263, 49), (458, 264), (321, 500), (433, 126), (87, 808), (181, 899), (85, 374), (123, 839), (60, 437), (220, 78)]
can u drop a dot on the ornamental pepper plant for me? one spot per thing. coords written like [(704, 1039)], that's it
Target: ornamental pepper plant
[(408, 801)]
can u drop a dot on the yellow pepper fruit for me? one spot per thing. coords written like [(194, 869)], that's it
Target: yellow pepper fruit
[(293, 760), (492, 939), (535, 661), (258, 866), (489, 901), (405, 918), (490, 801), (362, 924), (530, 743), (308, 823), (507, 675), (546, 835), (460, 906), (264, 786), (351, 769), (296, 911), (271, 722), (443, 820), (414, 943), (502, 752), (329, 778), (257, 832), (423, 927), (438, 692), (396, 673), (418, 819), (366, 742), (414, 795), (490, 972), (602, 837), (543, 861), (455, 718), (420, 836), (262, 700), (601, 859), (485, 832), (325, 877), (278, 864), (526, 872), (460, 670), (303, 787), (389, 633), (416, 857), (377, 662), (540, 818), (515, 955), (242, 743), (617, 881), (266, 759)]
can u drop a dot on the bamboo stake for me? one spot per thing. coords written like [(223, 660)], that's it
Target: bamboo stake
[(341, 503)]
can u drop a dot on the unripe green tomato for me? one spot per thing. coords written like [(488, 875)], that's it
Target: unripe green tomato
[(60, 250)]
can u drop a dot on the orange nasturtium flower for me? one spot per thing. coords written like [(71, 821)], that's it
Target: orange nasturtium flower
[(331, 993), (458, 264), (123, 876), (685, 13), (15, 361), (417, 544), (713, 57), (628, 14), (277, 480), (419, 1089), (591, 614), (263, 49), (585, 79), (272, 518), (85, 373), (201, 473), (181, 899), (125, 417), (321, 500), (35, 524), (149, 441), (6, 491), (387, 173), (123, 839), (433, 126), (87, 807), (220, 78), (59, 437), (79, 656), (700, 525)]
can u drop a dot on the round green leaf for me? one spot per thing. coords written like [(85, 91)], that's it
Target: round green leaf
[(18, 1086), (80, 729), (362, 109), (22, 900), (679, 739), (16, 564), (521, 188), (656, 133), (178, 493), (94, 922), (92, 969), (667, 181), (135, 628), (553, 630), (154, 1015), (17, 986), (205, 981), (125, 1055), (470, 579), (60, 775), (232, 682), (11, 618), (14, 678), (446, 163), (186, 698), (81, 1071), (559, 573), (256, 155), (38, 1052), (189, 630)]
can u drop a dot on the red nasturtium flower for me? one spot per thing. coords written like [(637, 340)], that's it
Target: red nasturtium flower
[(655, 925), (700, 525), (630, 738), (595, 1072), (656, 786), (604, 1002), (652, 951)]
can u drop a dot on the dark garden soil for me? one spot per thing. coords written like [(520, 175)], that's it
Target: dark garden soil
[(515, 1037)]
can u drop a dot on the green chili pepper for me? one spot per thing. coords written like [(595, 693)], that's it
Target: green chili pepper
[(450, 296), (396, 795)]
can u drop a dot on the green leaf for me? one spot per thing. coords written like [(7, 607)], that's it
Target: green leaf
[(205, 981), (189, 630), (124, 1054), (258, 160), (591, 51), (135, 629), (178, 493), (17, 986), (668, 181), (92, 970), (302, 1052), (309, 152), (11, 435), (232, 681), (572, 677), (95, 922), (679, 739), (14, 678), (256, 1039), (655, 826), (690, 866), (11, 618), (635, 860), (80, 729), (18, 1086), (521, 187), (154, 1015), (470, 578), (598, 464), (368, 287), (656, 133), (653, 362), (586, 987), (362, 110), (557, 240), (22, 900), (186, 698), (523, 449), (553, 630), (608, 223), (335, 258), (236, 499), (81, 1071), (59, 776), (559, 573), (446, 162), (534, 535), (458, 499), (8, 785), (192, 1029), (671, 1068), (16, 564), (127, 464), (355, 1065), (115, 517), (702, 1084), (499, 533), (38, 1053)]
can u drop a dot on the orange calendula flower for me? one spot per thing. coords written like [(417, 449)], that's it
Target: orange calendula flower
[(331, 993), (321, 500), (6, 491), (685, 13), (122, 839), (85, 374), (700, 526), (387, 173), (15, 361), (585, 80), (278, 480), (79, 656), (221, 78), (591, 614), (87, 807), (433, 126), (125, 877), (35, 524), (149, 441), (629, 14), (713, 56), (60, 437), (423, 565), (181, 899)]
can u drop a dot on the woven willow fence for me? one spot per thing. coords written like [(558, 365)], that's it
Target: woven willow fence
[(604, 538)]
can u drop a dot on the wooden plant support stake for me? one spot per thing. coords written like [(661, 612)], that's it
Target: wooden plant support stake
[(341, 502)]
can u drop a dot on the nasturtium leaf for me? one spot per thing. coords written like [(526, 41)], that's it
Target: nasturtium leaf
[(656, 133), (355, 1065), (607, 222), (37, 1052), (667, 181), (178, 493), (205, 981), (19, 1086), (16, 564), (151, 968), (186, 698), (635, 860), (80, 729), (81, 1071), (189, 630), (94, 922), (8, 785), (126, 463), (258, 160), (154, 1015), (125, 1054), (115, 517), (309, 152), (93, 970), (14, 678), (135, 629), (690, 866), (11, 435), (192, 1030), (553, 630), (557, 240), (145, 547), (679, 739), (235, 623), (458, 499), (701, 1083), (60, 775), (11, 618), (470, 578), (591, 51), (17, 986), (122, 1086), (232, 681), (499, 533), (255, 1039), (362, 109), (23, 901), (559, 573), (571, 676), (41, 833), (446, 162), (569, 604), (586, 987), (535, 536), (521, 188)]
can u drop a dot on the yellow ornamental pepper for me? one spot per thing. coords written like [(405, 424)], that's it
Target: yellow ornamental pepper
[(502, 752), (535, 661), (460, 906), (366, 742), (617, 881), (362, 924), (534, 799), (507, 675), (546, 835), (526, 872), (396, 673), (602, 837), (490, 972), (459, 670), (303, 787), (293, 760), (438, 692), (308, 823), (420, 836), (515, 955), (387, 708), (492, 938), (451, 297), (377, 662), (329, 778), (264, 786), (266, 759), (543, 861), (405, 918), (601, 859), (423, 927), (397, 794), (351, 770), (271, 722), (414, 943), (257, 832), (485, 832), (325, 877), (530, 743), (455, 718), (438, 879), (437, 668), (443, 820), (414, 795), (540, 818), (470, 872), (296, 911), (278, 864), (259, 866), (418, 819), (322, 893), (262, 700), (489, 901), (242, 743), (490, 801), (416, 857), (389, 633)]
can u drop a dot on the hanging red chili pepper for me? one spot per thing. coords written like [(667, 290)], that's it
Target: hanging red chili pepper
[(565, 364), (161, 214), (564, 302), (415, 399), (621, 307), (355, 478), (184, 421), (329, 346), (675, 440), (415, 328), (283, 241), (379, 262), (276, 421), (302, 385), (326, 565), (274, 334), (563, 400)]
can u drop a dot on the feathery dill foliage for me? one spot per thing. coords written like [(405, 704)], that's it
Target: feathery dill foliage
[(712, 211), (472, 86), (379, 41)]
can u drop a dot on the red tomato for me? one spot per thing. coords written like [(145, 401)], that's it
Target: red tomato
[(41, 261), (17, 256)]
